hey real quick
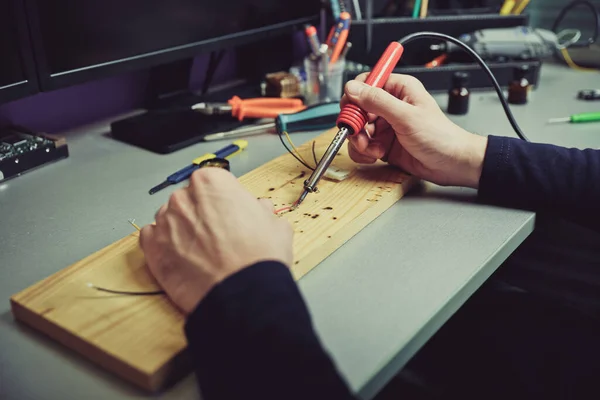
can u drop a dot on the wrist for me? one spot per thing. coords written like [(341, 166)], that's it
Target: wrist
[(475, 155)]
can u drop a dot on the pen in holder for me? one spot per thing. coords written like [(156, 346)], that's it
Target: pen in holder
[(324, 81)]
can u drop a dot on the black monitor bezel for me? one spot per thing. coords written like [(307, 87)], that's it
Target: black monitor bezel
[(30, 85), (50, 81)]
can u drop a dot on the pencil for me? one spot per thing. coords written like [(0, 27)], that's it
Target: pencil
[(424, 6), (507, 7), (520, 7)]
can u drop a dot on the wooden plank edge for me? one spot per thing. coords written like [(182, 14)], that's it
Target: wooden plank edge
[(154, 382)]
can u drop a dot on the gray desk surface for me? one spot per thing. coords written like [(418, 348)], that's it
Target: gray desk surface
[(375, 301)]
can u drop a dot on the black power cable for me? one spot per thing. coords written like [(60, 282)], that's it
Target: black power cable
[(434, 35), (568, 8)]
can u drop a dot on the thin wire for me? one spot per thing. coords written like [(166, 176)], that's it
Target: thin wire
[(424, 7), (314, 153), (282, 209), (146, 293), (289, 139), (572, 63), (132, 222), (595, 13), (482, 64), (416, 8), (292, 153)]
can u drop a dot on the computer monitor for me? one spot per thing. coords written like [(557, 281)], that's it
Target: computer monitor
[(77, 41), (17, 71)]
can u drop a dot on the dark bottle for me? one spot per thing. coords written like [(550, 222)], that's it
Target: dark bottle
[(519, 87), (458, 95)]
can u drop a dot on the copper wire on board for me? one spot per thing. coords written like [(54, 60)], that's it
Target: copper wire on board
[(132, 222), (125, 292)]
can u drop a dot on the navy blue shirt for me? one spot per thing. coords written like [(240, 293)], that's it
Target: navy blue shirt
[(252, 336)]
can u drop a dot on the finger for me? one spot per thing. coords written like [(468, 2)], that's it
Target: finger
[(379, 102), (372, 148), (357, 156), (362, 77), (161, 212), (267, 204), (146, 237), (410, 89), (344, 101), (370, 129), (206, 181)]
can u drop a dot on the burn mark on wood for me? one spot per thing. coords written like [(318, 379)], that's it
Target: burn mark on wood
[(271, 189), (315, 216), (327, 208), (291, 181), (334, 217)]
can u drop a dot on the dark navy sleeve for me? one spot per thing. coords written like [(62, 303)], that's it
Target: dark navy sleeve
[(252, 338), (542, 178)]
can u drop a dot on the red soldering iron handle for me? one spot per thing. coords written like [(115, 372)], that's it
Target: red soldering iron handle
[(352, 116)]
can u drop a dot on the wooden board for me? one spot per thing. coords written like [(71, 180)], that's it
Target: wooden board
[(140, 338)]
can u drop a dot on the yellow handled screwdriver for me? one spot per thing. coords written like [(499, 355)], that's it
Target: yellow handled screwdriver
[(186, 172)]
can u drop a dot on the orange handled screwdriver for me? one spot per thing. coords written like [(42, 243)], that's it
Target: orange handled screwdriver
[(352, 119), (338, 36)]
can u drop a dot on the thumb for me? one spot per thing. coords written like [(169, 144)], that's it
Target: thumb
[(378, 101)]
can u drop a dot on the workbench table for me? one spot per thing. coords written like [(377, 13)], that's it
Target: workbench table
[(375, 301)]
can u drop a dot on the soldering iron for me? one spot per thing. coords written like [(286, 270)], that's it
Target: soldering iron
[(352, 119)]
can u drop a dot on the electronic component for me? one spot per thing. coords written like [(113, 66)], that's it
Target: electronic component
[(22, 151), (589, 94), (282, 84), (336, 174), (521, 43)]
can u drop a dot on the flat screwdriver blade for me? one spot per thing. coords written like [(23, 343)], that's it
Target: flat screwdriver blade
[(159, 187), (559, 120)]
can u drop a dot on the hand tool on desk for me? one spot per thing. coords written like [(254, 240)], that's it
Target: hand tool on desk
[(347, 48), (589, 94), (519, 7), (416, 9), (261, 107), (520, 42), (200, 162), (577, 118), (313, 40), (357, 12), (320, 116), (335, 8), (352, 119), (424, 8), (369, 25), (507, 7), (336, 41), (436, 62)]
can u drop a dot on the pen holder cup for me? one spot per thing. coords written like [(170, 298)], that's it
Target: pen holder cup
[(324, 83)]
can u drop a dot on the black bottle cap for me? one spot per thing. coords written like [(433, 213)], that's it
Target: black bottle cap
[(460, 79), (521, 71)]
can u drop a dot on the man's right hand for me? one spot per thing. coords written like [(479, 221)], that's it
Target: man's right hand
[(408, 129)]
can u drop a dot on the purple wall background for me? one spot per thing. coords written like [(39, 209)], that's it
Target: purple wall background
[(73, 106), (70, 107)]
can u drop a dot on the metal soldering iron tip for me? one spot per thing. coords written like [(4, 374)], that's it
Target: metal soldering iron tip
[(301, 198)]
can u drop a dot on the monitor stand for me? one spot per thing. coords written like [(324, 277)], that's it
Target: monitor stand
[(168, 84), (169, 124)]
